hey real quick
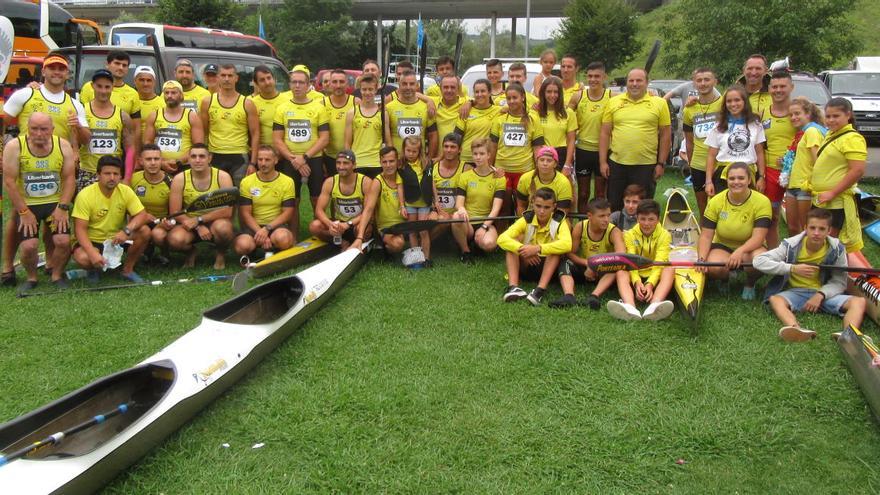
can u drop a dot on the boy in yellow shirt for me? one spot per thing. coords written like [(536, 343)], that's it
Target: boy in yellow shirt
[(538, 240)]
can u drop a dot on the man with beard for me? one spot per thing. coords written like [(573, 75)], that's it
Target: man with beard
[(193, 94), (174, 128)]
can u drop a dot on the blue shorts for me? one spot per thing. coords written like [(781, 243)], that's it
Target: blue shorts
[(418, 210), (797, 297), (798, 194)]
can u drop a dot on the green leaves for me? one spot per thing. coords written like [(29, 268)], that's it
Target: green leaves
[(599, 30)]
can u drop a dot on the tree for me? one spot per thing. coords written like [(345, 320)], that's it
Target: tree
[(220, 14), (317, 33), (815, 34), (602, 30)]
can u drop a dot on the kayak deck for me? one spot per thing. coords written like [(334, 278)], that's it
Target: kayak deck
[(859, 361), (307, 251), (679, 220)]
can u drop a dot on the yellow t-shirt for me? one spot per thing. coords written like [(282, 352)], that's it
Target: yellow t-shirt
[(556, 129), (301, 123), (147, 108), (388, 206), (636, 124), (266, 198), (266, 108), (500, 100), (832, 165), (446, 186), (700, 119), (345, 207), (190, 192), (336, 119), (106, 138), (590, 247), (804, 256), (366, 138), (802, 168), (228, 129), (760, 101), (125, 97), (733, 224), (654, 247), (154, 197), (106, 216), (530, 182), (39, 177), (479, 191), (568, 92), (589, 119), (435, 93), (515, 141), (447, 116), (779, 132), (174, 138), (408, 119), (478, 124), (192, 98)]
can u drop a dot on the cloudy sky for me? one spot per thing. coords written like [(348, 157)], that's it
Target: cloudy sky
[(540, 28)]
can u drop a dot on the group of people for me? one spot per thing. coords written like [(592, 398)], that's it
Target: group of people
[(377, 157)]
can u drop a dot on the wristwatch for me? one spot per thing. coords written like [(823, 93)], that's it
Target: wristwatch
[(350, 224), (484, 227), (268, 227), (199, 220), (64, 206), (126, 231), (306, 156)]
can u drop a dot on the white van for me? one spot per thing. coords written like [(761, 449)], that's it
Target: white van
[(862, 89)]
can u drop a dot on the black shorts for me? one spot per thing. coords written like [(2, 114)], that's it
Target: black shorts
[(586, 163), (234, 164), (718, 245), (371, 172), (698, 180), (837, 217), (561, 152), (622, 176), (329, 166), (245, 230), (43, 213), (315, 179)]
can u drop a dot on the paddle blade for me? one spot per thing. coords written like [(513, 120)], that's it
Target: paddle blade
[(410, 227), (215, 199), (652, 56), (614, 262), (240, 282)]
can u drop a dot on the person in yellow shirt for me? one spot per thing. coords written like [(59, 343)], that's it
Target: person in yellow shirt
[(445, 68), (445, 176), (518, 73), (568, 70), (124, 96), (111, 128), (152, 187), (408, 116), (589, 106), (174, 129), (478, 194), (145, 83), (697, 122), (756, 79), (99, 214), (798, 285), (211, 75), (779, 132), (535, 245), (558, 123), (516, 136), (544, 175), (338, 103), (385, 203), (652, 284), (267, 99), (807, 117), (840, 163), (734, 228), (448, 104), (193, 94), (478, 121), (363, 127), (345, 196), (636, 130), (265, 207)]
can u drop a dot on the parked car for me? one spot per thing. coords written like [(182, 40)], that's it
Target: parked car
[(862, 88), (807, 84), (476, 72)]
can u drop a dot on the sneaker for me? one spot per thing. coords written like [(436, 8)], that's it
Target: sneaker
[(514, 293), (748, 294), (133, 277), (535, 296), (796, 334), (566, 301), (658, 310), (467, 258), (593, 302), (27, 286), (8, 279), (623, 311), (61, 284)]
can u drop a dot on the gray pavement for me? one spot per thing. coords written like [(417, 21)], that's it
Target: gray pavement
[(873, 166)]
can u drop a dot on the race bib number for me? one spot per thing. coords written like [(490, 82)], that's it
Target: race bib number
[(41, 184), (514, 135), (409, 127), (168, 140), (103, 142), (299, 131), (349, 208), (191, 104), (703, 124), (446, 200)]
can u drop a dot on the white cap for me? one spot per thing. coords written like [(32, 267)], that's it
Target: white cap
[(144, 69)]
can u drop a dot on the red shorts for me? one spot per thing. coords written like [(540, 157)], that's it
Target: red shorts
[(512, 179), (772, 189)]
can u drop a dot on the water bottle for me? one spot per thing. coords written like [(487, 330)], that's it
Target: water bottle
[(337, 239), (76, 274)]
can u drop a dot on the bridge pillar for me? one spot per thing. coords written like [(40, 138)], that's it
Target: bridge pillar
[(406, 46), (492, 28)]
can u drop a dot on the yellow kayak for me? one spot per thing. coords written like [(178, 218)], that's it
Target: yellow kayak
[(681, 223), (307, 251)]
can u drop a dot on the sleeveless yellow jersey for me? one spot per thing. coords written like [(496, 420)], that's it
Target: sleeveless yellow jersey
[(530, 182), (190, 192), (700, 119), (301, 123), (780, 133), (154, 196), (148, 107), (58, 112), (388, 206), (267, 198), (515, 141), (345, 207), (478, 124), (39, 177), (446, 115), (228, 130), (125, 97), (590, 247), (589, 119), (192, 98), (106, 216), (479, 191), (366, 137), (556, 128), (106, 138), (408, 119), (445, 186), (733, 224), (173, 137), (266, 110), (336, 119)]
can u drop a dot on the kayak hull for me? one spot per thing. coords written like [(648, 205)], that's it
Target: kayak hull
[(859, 362), (681, 223)]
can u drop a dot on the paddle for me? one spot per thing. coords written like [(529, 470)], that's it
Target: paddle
[(57, 438), (612, 262), (869, 346), (218, 198), (151, 283), (419, 225)]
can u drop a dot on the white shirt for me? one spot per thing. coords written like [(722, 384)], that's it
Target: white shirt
[(737, 144), (16, 102)]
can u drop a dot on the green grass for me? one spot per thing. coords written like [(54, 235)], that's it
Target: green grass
[(425, 382)]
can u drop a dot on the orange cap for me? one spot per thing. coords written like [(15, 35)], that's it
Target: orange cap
[(56, 59)]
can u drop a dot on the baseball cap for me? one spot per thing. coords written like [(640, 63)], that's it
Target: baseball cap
[(145, 69), (172, 84), (301, 68), (547, 151), (102, 74), (55, 59), (211, 69), (347, 154)]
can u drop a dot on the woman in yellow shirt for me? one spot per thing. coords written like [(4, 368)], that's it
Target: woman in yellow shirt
[(559, 124), (808, 119)]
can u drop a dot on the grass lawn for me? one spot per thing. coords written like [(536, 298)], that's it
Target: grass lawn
[(425, 382)]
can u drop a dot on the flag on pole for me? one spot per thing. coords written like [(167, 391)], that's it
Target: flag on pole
[(262, 29), (420, 33)]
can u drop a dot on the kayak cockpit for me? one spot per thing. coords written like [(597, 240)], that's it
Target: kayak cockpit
[(263, 304), (138, 388)]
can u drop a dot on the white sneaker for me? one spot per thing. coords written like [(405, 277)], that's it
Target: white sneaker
[(623, 311), (796, 334), (658, 310)]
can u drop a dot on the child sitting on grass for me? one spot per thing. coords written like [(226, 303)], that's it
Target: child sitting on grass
[(806, 287), (535, 244), (625, 219), (652, 284)]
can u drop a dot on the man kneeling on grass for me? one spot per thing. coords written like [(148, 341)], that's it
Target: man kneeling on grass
[(651, 284), (807, 288), (537, 240)]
